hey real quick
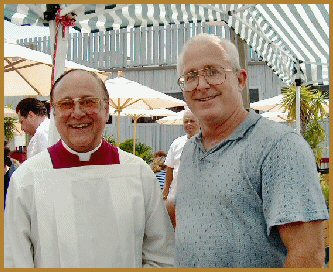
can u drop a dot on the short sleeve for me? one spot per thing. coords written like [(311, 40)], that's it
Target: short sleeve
[(169, 160), (291, 190)]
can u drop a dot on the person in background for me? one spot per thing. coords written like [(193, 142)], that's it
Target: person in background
[(83, 202), (34, 121), (159, 168), (191, 127), (248, 192), (10, 165)]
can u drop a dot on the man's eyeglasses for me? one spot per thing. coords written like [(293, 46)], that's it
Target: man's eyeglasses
[(213, 75), (87, 104)]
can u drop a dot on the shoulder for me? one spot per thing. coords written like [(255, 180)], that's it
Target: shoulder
[(270, 133), (26, 170), (129, 158), (40, 161), (179, 141)]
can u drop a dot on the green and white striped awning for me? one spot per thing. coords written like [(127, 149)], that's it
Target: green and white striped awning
[(286, 36)]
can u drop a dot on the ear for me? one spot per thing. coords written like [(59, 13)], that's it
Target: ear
[(107, 110), (242, 79), (31, 114)]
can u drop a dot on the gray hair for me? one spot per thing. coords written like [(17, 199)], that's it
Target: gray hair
[(188, 112), (230, 48)]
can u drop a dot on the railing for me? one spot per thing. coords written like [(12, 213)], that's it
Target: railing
[(135, 47)]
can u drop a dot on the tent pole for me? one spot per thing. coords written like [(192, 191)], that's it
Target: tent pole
[(298, 98), (59, 63)]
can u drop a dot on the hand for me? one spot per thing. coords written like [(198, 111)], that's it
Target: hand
[(165, 193)]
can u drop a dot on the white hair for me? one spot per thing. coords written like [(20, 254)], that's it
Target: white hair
[(229, 47), (188, 112)]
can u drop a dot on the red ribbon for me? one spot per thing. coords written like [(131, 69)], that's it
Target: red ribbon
[(66, 21)]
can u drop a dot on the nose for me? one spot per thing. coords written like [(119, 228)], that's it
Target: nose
[(77, 111), (202, 82)]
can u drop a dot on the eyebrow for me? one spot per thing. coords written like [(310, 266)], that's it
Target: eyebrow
[(205, 67), (71, 98)]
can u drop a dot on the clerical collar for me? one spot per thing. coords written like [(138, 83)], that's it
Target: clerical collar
[(82, 156)]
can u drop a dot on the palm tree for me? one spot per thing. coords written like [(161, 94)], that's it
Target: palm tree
[(312, 113)]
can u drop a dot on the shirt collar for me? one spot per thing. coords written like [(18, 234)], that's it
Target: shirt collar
[(240, 131), (82, 156), (250, 120), (43, 125)]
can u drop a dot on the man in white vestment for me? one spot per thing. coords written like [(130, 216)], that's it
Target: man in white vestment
[(34, 121), (83, 202)]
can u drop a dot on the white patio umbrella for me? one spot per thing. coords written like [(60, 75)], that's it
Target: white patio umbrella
[(135, 114), (276, 116), (129, 94), (8, 112), (172, 120), (269, 104), (28, 72)]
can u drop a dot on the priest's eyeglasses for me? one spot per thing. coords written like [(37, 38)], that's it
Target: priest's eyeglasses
[(87, 104), (213, 75)]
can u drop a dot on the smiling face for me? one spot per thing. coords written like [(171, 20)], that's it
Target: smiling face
[(80, 130), (213, 103), (191, 124)]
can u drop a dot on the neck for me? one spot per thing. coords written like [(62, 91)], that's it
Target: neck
[(213, 134), (83, 156), (189, 136), (37, 122)]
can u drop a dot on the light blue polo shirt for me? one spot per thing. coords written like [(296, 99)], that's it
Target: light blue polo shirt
[(231, 198)]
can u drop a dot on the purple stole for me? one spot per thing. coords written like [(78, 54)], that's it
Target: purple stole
[(62, 158)]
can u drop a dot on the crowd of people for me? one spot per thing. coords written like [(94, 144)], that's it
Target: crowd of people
[(237, 190)]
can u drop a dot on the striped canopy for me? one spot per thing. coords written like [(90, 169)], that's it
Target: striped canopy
[(289, 37)]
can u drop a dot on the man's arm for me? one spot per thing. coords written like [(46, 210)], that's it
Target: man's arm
[(158, 241), (18, 249), (304, 242), (168, 181)]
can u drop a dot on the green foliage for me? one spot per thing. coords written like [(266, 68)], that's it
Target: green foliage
[(9, 126), (314, 135), (312, 112), (110, 140), (143, 151)]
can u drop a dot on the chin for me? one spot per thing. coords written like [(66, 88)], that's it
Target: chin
[(81, 146)]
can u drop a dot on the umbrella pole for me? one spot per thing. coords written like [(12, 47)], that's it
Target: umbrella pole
[(118, 122), (118, 127), (134, 134)]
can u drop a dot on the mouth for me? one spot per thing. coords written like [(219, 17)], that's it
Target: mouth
[(204, 99), (79, 126)]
